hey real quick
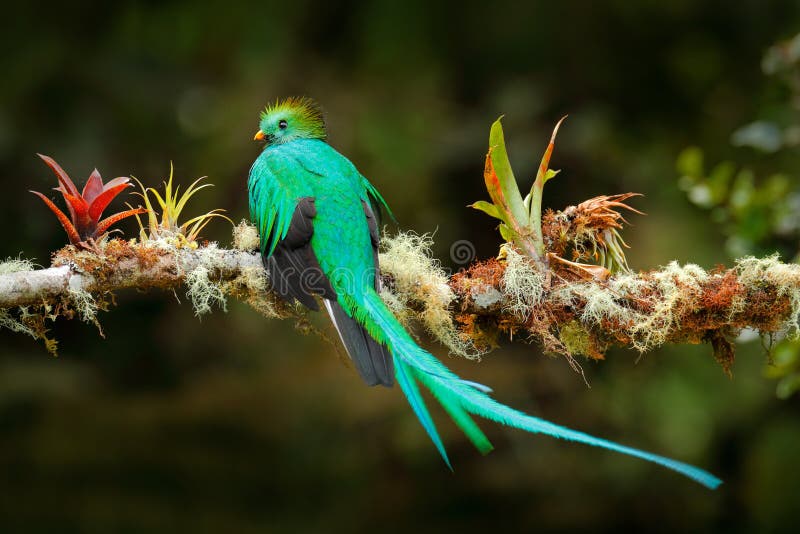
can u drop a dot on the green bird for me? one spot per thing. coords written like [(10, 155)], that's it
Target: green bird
[(318, 221)]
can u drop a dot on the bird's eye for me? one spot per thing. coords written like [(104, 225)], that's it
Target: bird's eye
[(283, 124)]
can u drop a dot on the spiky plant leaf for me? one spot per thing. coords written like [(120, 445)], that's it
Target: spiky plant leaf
[(93, 187), (72, 233), (499, 177), (172, 203), (86, 207)]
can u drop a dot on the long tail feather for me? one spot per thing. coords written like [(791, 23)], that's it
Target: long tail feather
[(460, 416), (411, 390), (461, 398)]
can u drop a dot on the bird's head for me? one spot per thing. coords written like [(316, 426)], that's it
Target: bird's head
[(289, 120)]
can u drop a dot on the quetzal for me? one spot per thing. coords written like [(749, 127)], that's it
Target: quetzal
[(318, 221)]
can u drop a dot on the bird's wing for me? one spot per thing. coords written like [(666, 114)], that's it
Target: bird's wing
[(293, 267), (283, 208), (275, 186)]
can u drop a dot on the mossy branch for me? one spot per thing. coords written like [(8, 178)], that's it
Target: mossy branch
[(469, 312), (674, 304)]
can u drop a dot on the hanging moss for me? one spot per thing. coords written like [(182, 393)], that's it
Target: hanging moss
[(420, 282)]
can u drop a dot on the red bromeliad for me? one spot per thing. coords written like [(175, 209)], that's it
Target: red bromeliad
[(86, 207)]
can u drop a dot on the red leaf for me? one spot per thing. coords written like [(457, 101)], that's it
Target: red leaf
[(93, 187), (63, 177), (78, 204), (64, 192), (115, 182), (108, 221), (72, 234), (82, 219), (543, 165), (104, 199)]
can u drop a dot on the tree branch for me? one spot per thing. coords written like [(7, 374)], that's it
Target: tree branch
[(467, 311), (120, 266)]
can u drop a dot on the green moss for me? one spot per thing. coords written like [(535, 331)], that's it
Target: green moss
[(245, 237), (84, 304), (18, 319), (576, 338), (10, 322), (652, 308), (678, 289), (201, 290), (419, 279), (785, 277), (16, 265), (522, 284)]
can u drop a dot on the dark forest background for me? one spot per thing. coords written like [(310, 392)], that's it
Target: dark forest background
[(240, 424)]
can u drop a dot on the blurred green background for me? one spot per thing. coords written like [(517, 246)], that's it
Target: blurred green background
[(239, 424)]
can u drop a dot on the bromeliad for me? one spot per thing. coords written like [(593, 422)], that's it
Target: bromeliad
[(318, 222), (172, 204), (83, 226), (596, 235)]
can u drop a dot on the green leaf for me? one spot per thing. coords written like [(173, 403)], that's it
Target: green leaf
[(512, 199), (488, 208), (550, 174), (507, 233), (537, 191)]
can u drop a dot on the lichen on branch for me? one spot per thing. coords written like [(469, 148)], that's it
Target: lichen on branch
[(469, 312), (673, 304), (81, 282)]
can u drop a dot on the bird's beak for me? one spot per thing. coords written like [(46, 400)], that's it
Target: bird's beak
[(259, 136)]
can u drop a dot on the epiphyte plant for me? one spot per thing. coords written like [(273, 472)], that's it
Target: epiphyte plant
[(521, 218), (83, 226), (172, 204)]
